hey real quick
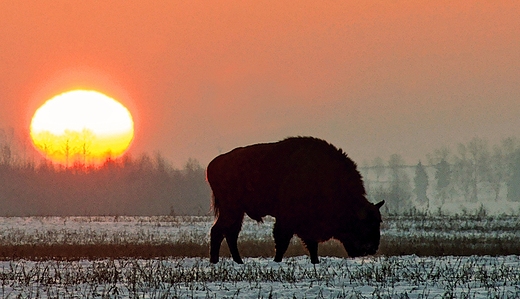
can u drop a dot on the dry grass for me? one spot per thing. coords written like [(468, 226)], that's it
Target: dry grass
[(255, 248), (249, 248), (100, 251), (401, 236)]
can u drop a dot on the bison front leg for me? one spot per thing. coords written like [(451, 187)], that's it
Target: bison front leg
[(312, 247), (282, 238)]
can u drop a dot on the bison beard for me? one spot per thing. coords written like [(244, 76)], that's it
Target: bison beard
[(312, 189)]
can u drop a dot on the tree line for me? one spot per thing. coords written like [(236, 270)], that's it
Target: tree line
[(473, 172), (146, 185)]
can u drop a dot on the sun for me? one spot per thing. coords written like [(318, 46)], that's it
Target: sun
[(82, 126)]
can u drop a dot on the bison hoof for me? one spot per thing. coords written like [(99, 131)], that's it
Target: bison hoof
[(315, 261), (213, 260)]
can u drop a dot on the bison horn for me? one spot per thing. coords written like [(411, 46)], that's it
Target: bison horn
[(380, 204)]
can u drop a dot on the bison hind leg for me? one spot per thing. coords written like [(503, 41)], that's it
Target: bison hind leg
[(228, 227), (217, 235), (282, 238), (312, 247)]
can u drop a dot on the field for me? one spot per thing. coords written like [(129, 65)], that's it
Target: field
[(166, 257)]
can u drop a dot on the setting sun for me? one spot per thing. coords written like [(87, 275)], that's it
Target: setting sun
[(82, 126)]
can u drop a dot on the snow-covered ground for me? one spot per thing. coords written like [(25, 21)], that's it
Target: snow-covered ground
[(376, 277), (407, 276), (167, 230), (117, 230)]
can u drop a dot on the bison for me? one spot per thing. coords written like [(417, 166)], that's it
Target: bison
[(312, 189)]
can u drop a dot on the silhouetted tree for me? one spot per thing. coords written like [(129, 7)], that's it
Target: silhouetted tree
[(86, 138), (120, 186), (421, 184), (471, 166), (438, 155), (6, 146), (513, 184), (68, 146), (479, 155), (379, 167), (442, 178), (398, 193), (497, 171), (195, 187), (510, 148), (161, 164), (6, 154), (463, 172)]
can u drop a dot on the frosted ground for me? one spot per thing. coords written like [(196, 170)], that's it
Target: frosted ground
[(400, 276), (167, 229), (375, 277)]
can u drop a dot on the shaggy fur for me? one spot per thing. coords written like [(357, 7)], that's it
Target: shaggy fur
[(312, 189)]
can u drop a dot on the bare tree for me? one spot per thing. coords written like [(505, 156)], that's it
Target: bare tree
[(45, 141), (479, 159), (438, 155), (379, 168), (399, 190), (421, 184), (513, 182), (497, 170), (86, 139), (471, 167), (443, 180), (70, 146), (6, 146)]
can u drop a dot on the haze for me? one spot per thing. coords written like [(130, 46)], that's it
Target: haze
[(202, 77)]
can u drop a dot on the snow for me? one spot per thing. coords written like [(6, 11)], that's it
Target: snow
[(167, 230), (383, 277), (406, 276)]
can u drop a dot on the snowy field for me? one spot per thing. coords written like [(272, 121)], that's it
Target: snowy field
[(169, 229), (382, 276), (376, 277)]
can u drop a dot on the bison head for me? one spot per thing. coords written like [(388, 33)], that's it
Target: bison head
[(363, 231)]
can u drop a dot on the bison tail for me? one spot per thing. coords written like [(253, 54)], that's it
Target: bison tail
[(215, 206)]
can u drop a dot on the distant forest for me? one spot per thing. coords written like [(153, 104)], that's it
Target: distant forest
[(474, 172), (149, 185), (126, 186)]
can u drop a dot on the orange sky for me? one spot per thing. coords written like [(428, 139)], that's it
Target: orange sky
[(202, 77)]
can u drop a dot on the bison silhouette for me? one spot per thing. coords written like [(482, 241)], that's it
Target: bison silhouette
[(312, 189)]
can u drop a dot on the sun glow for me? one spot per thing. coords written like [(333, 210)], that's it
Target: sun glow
[(82, 126)]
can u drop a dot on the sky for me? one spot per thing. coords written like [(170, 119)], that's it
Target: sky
[(203, 77)]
